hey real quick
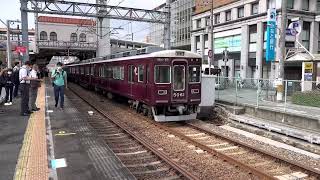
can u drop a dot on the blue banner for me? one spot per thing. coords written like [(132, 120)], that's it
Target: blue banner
[(271, 35)]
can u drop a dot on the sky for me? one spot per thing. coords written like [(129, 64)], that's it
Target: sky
[(10, 9)]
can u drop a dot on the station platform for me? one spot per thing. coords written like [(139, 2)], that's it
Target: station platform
[(53, 143)]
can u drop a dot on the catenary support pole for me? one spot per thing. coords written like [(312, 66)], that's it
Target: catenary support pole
[(212, 39), (8, 45), (282, 44), (24, 28), (167, 32)]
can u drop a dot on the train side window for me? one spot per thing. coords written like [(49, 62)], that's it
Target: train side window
[(116, 72), (92, 70), (162, 74), (147, 74), (87, 70), (131, 73), (140, 73), (121, 73), (82, 70), (194, 74)]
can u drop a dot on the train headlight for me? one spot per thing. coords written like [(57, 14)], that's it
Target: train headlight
[(195, 91), (162, 92)]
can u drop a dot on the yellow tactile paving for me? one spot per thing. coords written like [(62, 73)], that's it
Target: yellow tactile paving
[(33, 162)]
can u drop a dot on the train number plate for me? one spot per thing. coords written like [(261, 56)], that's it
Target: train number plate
[(176, 95)]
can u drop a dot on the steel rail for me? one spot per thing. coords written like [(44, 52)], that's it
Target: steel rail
[(148, 145), (295, 163), (233, 161)]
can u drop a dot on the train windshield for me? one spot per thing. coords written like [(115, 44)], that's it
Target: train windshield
[(162, 74), (194, 74), (178, 78)]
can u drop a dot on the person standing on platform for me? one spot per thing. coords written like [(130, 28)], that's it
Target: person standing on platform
[(59, 77), (25, 86), (16, 80), (2, 83), (34, 85), (8, 77)]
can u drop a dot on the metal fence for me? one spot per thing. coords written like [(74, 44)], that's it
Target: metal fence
[(288, 95)]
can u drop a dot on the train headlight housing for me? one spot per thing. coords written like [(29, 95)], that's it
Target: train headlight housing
[(162, 92)]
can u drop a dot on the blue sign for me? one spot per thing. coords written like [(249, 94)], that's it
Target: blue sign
[(271, 35)]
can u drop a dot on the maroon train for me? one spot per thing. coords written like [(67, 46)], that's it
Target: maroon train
[(165, 85)]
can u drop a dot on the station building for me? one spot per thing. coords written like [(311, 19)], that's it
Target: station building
[(240, 27)]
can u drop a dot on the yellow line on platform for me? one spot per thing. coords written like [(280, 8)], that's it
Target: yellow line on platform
[(33, 161)]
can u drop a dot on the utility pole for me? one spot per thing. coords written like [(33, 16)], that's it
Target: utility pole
[(8, 45), (282, 43), (167, 44), (212, 39), (24, 28)]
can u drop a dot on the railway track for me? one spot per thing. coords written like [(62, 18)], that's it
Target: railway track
[(142, 158), (260, 164), (256, 161)]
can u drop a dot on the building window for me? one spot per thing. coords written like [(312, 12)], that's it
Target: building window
[(43, 35), (198, 23), (82, 37), (306, 35), (252, 38), (240, 12), (198, 44), (290, 4), (217, 19), (73, 37), (53, 36), (255, 8), (208, 21), (228, 16), (305, 5)]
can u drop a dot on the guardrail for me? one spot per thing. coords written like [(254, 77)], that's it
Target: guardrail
[(298, 97)]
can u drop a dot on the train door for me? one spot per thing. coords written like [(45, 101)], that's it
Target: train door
[(131, 75), (148, 84), (179, 76), (141, 85)]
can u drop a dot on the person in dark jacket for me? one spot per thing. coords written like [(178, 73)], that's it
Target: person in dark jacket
[(16, 80), (8, 76)]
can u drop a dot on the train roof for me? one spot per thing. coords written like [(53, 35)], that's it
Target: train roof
[(158, 54)]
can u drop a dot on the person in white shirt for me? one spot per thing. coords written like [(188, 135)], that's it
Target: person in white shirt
[(25, 86), (34, 85)]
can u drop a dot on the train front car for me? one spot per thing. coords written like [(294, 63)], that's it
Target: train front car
[(177, 85)]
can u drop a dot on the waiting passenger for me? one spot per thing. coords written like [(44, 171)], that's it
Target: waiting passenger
[(16, 80), (59, 77), (8, 77), (34, 85), (2, 83), (25, 87)]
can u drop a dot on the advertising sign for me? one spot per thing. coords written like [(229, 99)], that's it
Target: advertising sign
[(21, 49), (271, 34), (233, 43), (308, 71)]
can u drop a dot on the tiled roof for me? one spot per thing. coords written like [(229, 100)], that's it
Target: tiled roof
[(62, 20)]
